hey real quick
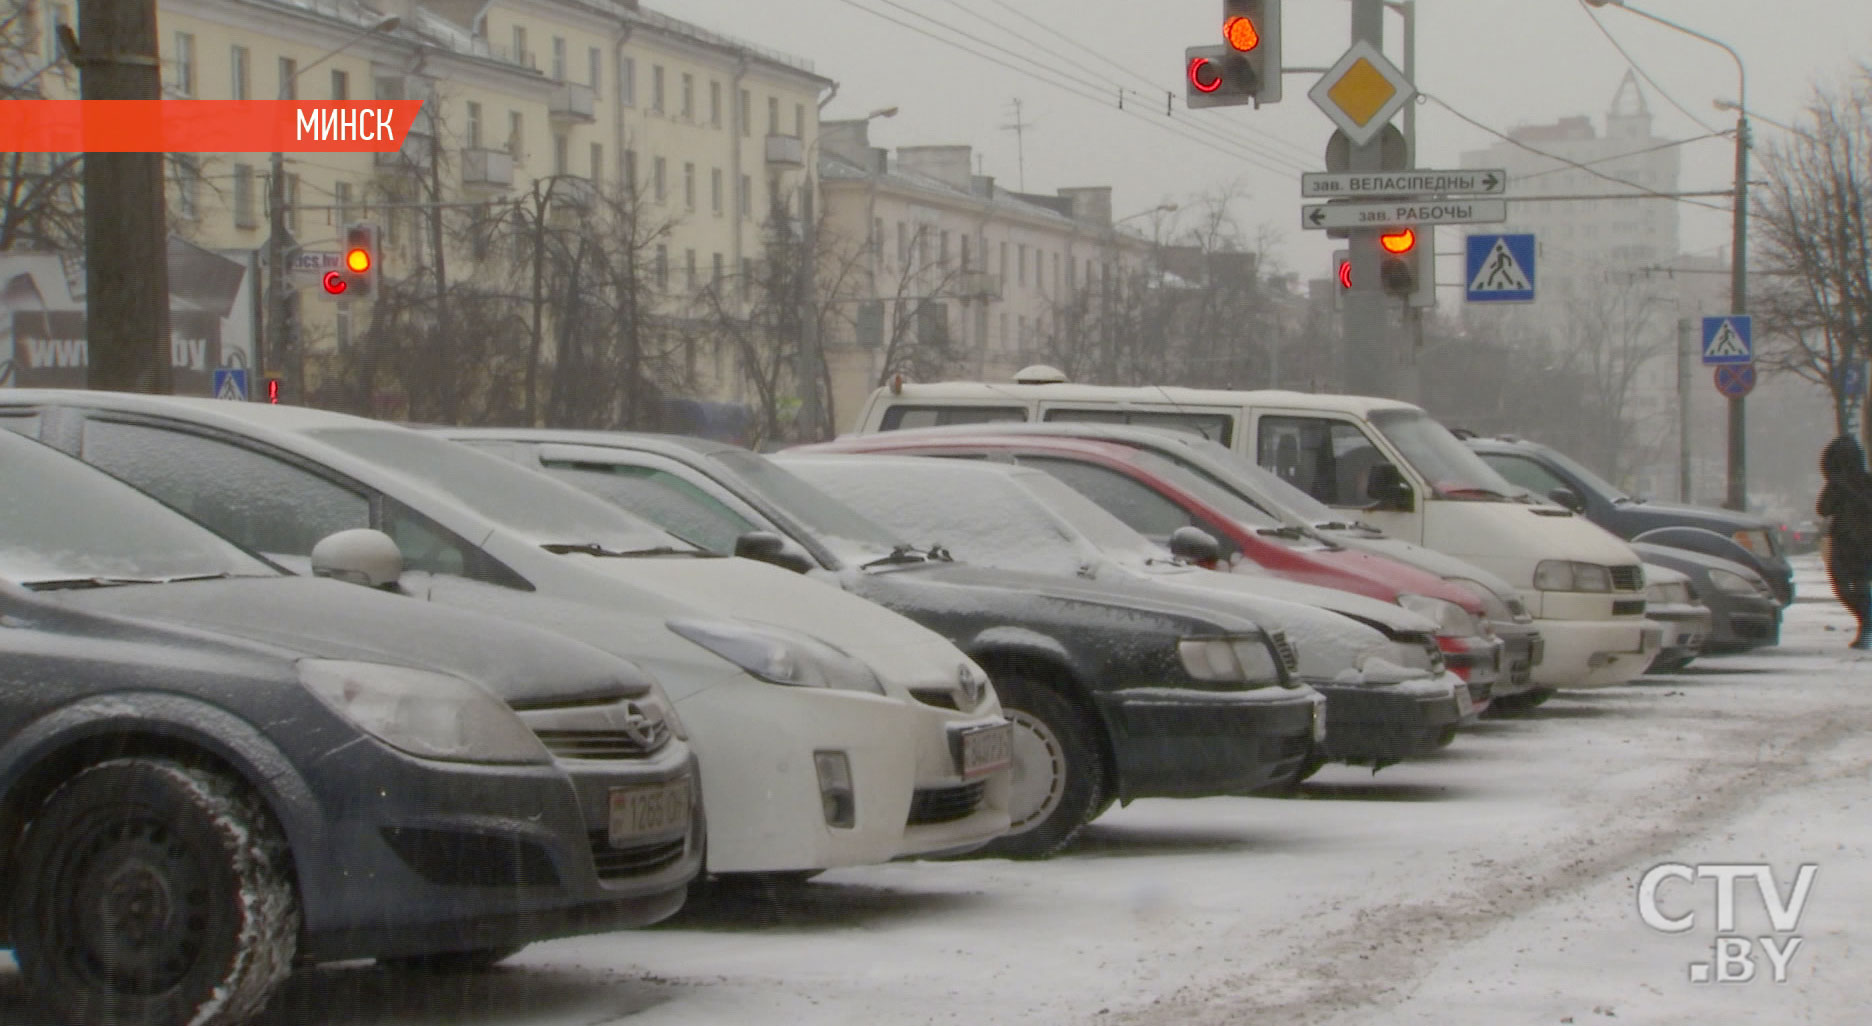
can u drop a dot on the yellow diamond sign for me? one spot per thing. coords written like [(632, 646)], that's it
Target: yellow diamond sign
[(1362, 92)]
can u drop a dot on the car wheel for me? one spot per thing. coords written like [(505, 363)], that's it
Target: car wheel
[(1059, 770), (1521, 702), (451, 963), (156, 894)]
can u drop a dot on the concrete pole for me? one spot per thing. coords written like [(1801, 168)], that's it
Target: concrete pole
[(1687, 342), (1738, 302), (1370, 365)]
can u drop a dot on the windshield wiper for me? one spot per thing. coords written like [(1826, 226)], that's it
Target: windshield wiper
[(1284, 531), (900, 555), (1481, 493), (595, 549), (84, 583)]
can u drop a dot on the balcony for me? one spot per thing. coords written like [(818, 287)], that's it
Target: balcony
[(571, 103), (573, 193), (786, 151), (418, 149), (975, 285), (486, 169)]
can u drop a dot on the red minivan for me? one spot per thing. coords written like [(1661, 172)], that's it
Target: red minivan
[(1156, 497)]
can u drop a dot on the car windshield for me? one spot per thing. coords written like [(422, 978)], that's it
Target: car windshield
[(1266, 485), (1091, 521), (64, 524), (528, 503), (981, 515), (848, 532), (1234, 506), (1452, 468), (1583, 473)]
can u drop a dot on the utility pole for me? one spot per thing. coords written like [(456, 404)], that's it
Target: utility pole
[(812, 410), (1369, 362), (1738, 302), (126, 227), (1019, 127)]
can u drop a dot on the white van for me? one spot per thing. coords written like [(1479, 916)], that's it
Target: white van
[(1389, 461)]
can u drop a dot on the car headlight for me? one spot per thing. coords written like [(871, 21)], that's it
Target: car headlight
[(1231, 659), (1674, 593), (780, 656), (1732, 582), (428, 714), (1494, 605), (1565, 575), (1756, 541), (1450, 618)]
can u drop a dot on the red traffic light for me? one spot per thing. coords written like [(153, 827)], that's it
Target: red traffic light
[(334, 282), (273, 390), (1241, 34), (1401, 241), (1204, 75), (1345, 274)]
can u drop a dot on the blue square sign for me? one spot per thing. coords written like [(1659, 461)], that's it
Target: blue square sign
[(231, 383), (1728, 339), (1500, 269)]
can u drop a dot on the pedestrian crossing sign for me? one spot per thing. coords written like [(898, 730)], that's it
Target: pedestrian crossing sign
[(231, 383), (1500, 269), (1728, 340)]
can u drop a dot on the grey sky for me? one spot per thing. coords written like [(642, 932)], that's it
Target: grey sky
[(1503, 62)]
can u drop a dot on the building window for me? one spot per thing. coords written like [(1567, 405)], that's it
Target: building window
[(238, 64), (689, 268), (288, 78), (558, 59), (688, 97), (627, 81), (658, 179), (747, 197), (474, 125), (688, 185), (1004, 263), (594, 68), (245, 214), (773, 115), (876, 242), (597, 162), (746, 115), (1023, 264), (656, 88), (747, 276), (185, 63), (718, 271), (965, 252), (715, 191), (799, 121), (341, 84), (188, 186), (903, 244), (661, 267), (516, 136), (714, 104), (520, 54), (560, 145), (942, 251), (630, 173)]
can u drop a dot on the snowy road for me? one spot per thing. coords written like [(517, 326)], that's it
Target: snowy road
[(1494, 884)]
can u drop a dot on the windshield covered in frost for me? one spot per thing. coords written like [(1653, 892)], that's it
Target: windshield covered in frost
[(845, 530), (1452, 468), (62, 521)]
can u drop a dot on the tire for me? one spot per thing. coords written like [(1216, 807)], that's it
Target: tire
[(154, 894), (451, 963), (1059, 769), (1520, 703)]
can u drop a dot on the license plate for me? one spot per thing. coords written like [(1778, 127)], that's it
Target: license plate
[(648, 809), (987, 749), (1465, 705)]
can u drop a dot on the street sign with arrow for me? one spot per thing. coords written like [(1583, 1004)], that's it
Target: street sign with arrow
[(1403, 212), (1371, 184)]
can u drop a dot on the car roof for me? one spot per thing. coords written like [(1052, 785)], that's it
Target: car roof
[(1151, 394), (671, 445), (1102, 451), (1006, 470)]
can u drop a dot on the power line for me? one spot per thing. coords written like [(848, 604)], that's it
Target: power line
[(1505, 137), (1633, 153), (1639, 68)]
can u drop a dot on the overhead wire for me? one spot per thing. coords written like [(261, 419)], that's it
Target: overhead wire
[(1632, 153), (1639, 68)]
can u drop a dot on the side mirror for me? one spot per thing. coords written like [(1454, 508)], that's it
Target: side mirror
[(768, 547), (359, 556), (1385, 486), (1569, 498), (1194, 545)]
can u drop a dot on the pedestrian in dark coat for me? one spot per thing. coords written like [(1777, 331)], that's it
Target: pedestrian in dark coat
[(1846, 502)]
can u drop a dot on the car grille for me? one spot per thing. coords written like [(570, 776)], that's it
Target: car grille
[(1288, 656), (941, 698), (1628, 607), (641, 860), (1628, 578), (946, 804), (451, 858), (605, 744)]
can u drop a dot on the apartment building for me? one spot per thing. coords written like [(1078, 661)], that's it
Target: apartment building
[(542, 112), (945, 272)]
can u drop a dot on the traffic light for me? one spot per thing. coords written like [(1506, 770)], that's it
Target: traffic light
[(357, 273), (1251, 30), (1342, 268), (1409, 267), (272, 388)]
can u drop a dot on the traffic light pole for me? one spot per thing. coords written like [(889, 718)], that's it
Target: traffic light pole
[(1368, 362)]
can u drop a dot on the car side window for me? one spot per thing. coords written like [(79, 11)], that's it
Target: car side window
[(1328, 459), (254, 499), (1137, 504), (906, 417), (663, 498), (1524, 472), (1216, 427)]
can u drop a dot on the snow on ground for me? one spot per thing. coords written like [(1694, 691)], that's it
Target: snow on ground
[(1493, 884)]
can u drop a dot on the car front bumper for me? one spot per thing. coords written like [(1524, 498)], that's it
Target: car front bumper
[(1686, 629), (1595, 653), (1741, 622), (1523, 649), (1187, 743), (1390, 723)]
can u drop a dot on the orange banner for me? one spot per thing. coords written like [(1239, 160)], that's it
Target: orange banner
[(205, 126)]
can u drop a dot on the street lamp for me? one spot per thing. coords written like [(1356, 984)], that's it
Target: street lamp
[(1737, 498), (276, 216), (811, 360)]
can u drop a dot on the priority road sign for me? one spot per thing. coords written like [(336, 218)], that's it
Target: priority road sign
[(1403, 213), (1371, 184), (231, 383), (1500, 269), (1728, 340), (1361, 92), (1735, 380)]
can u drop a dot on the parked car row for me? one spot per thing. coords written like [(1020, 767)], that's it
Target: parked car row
[(281, 686)]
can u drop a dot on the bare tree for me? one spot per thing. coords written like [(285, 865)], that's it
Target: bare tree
[(41, 204), (1611, 331)]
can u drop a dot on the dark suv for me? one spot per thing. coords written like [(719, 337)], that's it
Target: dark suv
[(212, 771), (1554, 476)]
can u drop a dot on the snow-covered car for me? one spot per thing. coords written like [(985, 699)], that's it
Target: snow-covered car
[(212, 771), (1096, 644), (1670, 601), (802, 702), (1388, 694)]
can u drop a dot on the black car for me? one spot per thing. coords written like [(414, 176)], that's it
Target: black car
[(1737, 537), (1089, 673), (1744, 612), (212, 771)]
